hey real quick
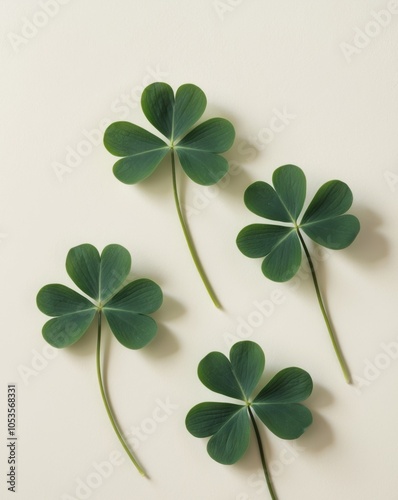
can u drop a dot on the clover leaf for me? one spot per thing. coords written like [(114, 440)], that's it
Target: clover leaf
[(125, 308), (277, 404), (324, 221), (198, 150)]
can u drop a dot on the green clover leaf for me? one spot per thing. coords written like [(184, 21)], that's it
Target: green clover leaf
[(198, 149), (100, 277), (277, 405), (325, 221), (126, 308)]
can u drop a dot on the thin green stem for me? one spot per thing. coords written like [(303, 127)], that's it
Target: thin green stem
[(263, 461), (332, 335), (107, 407), (188, 238)]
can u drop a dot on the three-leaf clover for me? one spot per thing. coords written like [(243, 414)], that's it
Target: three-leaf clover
[(277, 404), (324, 221), (125, 308), (198, 150)]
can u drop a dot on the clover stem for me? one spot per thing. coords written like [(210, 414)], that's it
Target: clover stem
[(188, 238), (263, 461), (105, 400), (332, 335)]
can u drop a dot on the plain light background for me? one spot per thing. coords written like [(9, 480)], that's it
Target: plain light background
[(329, 69)]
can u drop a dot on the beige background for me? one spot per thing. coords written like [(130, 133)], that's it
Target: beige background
[(311, 83)]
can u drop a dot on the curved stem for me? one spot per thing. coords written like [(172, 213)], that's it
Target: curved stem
[(263, 461), (188, 238), (105, 400), (332, 335)]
